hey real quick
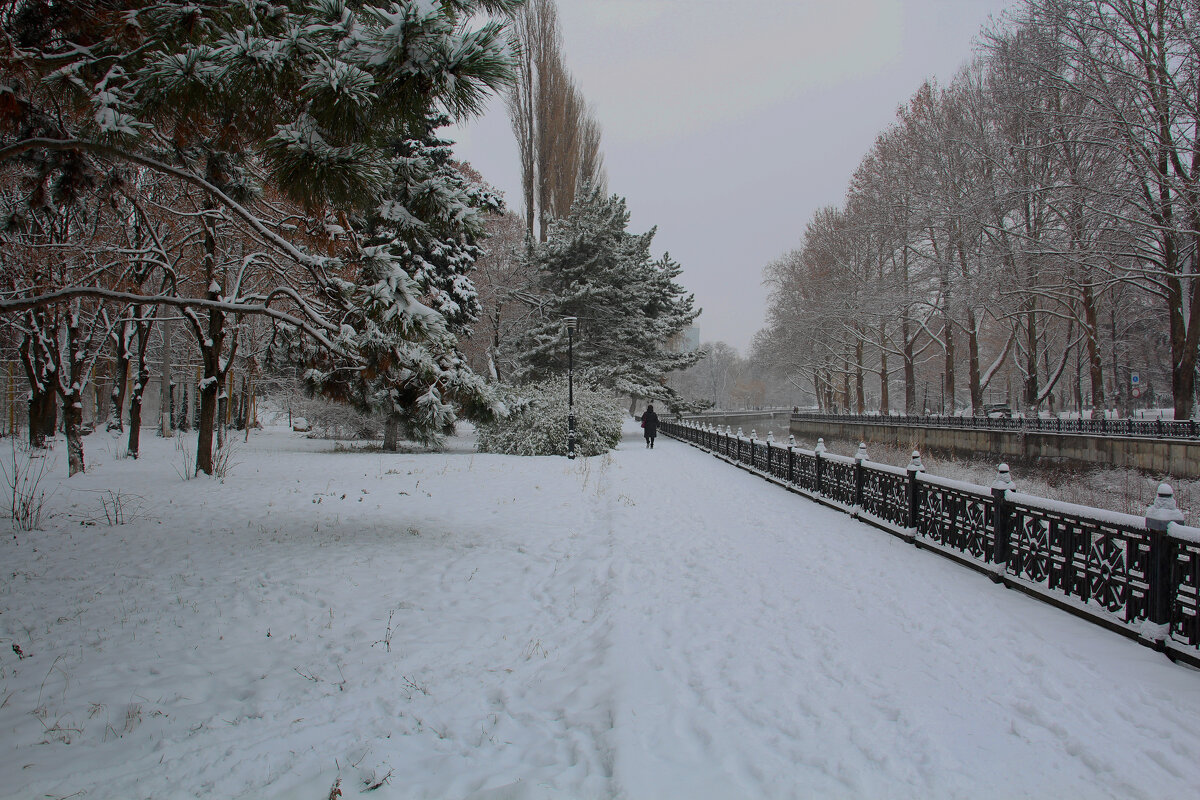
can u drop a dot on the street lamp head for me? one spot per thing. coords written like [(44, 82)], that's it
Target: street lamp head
[(572, 323)]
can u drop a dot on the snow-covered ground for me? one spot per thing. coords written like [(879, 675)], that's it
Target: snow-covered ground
[(648, 624)]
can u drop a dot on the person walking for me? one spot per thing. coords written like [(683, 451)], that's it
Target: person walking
[(650, 426)]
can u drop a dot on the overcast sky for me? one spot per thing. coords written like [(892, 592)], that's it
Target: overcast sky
[(728, 122)]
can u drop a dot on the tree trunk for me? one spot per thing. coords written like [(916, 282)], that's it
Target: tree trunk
[(205, 424), (41, 408), (212, 342), (885, 401), (73, 427), (1031, 354), (844, 400), (973, 373), (950, 379), (860, 403), (120, 384), (185, 410), (391, 433), (910, 371), (135, 403), (222, 417), (1095, 362), (166, 396), (43, 416)]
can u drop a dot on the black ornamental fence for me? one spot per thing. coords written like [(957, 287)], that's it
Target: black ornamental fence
[(1136, 575), (1100, 426)]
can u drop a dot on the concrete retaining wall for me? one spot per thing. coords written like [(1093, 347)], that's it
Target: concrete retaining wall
[(1157, 456), (747, 420)]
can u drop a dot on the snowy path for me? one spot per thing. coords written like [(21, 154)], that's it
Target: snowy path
[(650, 624), (786, 651)]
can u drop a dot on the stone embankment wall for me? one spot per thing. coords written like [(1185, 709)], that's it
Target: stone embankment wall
[(746, 420), (1157, 456)]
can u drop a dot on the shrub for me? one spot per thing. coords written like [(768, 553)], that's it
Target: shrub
[(326, 419), (537, 422)]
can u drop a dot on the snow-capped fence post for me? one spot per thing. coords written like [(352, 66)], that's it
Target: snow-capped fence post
[(1159, 516), (820, 468), (911, 489), (859, 458), (1001, 513), (791, 473)]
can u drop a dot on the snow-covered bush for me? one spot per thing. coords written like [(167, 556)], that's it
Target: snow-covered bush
[(537, 422), (326, 419)]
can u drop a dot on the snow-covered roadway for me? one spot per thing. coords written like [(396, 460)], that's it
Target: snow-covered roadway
[(649, 624)]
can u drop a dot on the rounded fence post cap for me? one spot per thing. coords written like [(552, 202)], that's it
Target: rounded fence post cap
[(1163, 510), (1003, 478)]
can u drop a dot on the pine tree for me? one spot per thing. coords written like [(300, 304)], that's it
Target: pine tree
[(273, 121), (418, 248), (630, 308)]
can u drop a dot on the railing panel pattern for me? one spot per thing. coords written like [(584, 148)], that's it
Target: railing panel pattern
[(805, 473), (1185, 582), (957, 518), (777, 464), (1097, 562), (885, 495), (838, 480), (760, 457), (1112, 562)]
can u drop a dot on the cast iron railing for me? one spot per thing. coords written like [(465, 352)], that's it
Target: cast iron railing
[(1143, 428), (1137, 574)]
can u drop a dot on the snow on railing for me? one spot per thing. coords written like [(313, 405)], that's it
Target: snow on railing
[(1140, 575)]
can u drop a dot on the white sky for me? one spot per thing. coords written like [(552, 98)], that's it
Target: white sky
[(727, 123)]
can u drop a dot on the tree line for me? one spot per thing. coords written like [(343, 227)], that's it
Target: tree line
[(265, 177), (226, 186), (1028, 231)]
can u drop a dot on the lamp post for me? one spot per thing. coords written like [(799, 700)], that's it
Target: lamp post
[(571, 323)]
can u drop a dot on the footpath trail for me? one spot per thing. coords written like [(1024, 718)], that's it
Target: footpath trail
[(765, 646)]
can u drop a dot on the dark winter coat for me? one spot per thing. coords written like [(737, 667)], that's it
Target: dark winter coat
[(650, 423)]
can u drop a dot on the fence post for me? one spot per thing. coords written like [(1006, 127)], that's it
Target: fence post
[(1002, 513), (859, 458), (791, 475), (910, 488), (1159, 516), (819, 470)]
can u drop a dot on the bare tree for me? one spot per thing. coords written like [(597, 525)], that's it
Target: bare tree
[(558, 138)]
